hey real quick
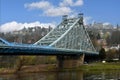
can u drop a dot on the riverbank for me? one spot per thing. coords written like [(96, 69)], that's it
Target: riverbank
[(52, 67), (29, 69), (98, 66)]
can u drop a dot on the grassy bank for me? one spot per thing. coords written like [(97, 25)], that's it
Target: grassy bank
[(96, 67), (6, 71), (29, 69), (49, 67), (100, 66)]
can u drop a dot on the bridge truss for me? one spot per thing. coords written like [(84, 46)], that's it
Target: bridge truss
[(69, 34)]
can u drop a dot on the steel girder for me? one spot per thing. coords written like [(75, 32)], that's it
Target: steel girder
[(69, 34)]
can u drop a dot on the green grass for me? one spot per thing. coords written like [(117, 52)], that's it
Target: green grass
[(100, 66), (96, 67), (86, 67), (1, 69), (6, 71)]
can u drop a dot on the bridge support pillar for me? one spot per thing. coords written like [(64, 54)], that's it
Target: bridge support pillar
[(71, 61)]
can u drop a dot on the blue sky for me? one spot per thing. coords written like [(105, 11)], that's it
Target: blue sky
[(50, 11)]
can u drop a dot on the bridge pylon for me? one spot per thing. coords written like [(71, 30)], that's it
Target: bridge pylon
[(70, 34), (71, 61)]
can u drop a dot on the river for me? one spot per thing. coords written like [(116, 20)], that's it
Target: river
[(66, 75)]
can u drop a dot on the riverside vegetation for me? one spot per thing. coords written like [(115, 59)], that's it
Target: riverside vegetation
[(20, 64)]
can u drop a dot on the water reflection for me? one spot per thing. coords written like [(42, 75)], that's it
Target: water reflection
[(70, 76), (102, 75), (73, 75)]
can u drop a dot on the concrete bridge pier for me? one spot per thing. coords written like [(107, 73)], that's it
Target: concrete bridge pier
[(71, 61)]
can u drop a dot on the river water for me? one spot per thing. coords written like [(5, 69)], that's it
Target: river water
[(67, 75)]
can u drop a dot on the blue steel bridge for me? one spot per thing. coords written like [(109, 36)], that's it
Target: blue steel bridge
[(68, 38)]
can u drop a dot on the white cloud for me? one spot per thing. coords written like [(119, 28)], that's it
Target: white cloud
[(58, 11), (49, 9), (78, 3), (62, 8), (66, 3), (71, 3), (106, 23), (73, 15), (15, 26), (38, 5), (87, 20)]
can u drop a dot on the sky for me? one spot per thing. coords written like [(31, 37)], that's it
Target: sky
[(17, 14)]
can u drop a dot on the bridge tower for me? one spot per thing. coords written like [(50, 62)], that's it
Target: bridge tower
[(70, 34)]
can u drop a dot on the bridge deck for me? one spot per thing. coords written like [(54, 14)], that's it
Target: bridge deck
[(40, 50), (7, 48)]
